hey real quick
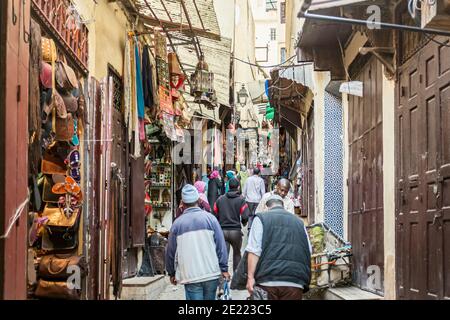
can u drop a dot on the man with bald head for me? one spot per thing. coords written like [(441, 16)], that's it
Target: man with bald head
[(282, 189)]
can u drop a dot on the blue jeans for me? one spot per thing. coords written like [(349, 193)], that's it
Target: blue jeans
[(202, 291)]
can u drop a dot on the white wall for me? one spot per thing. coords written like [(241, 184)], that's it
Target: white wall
[(225, 15), (264, 22), (389, 186), (321, 80)]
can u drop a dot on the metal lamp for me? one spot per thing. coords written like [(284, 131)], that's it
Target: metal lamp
[(242, 96), (202, 81)]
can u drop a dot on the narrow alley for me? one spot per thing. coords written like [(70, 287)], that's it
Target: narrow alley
[(224, 150)]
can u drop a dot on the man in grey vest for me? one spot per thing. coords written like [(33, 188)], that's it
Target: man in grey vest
[(279, 254)]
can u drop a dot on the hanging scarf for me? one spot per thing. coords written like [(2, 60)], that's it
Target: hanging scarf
[(139, 85)]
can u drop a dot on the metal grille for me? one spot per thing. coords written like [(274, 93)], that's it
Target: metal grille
[(117, 88)]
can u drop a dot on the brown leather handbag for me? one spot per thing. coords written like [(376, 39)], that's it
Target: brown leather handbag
[(57, 267), (61, 232), (64, 128), (70, 102), (66, 79), (53, 165), (58, 290)]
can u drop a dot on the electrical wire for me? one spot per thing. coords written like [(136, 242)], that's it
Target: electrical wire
[(413, 6), (257, 65)]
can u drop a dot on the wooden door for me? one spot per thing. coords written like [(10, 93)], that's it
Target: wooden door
[(14, 72), (365, 178), (423, 174), (309, 186), (94, 190)]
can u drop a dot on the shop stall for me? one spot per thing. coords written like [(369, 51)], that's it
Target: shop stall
[(58, 58)]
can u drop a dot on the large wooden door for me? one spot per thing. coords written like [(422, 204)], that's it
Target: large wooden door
[(14, 73), (365, 178), (423, 174)]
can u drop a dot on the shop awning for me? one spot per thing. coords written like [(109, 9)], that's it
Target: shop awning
[(326, 51), (292, 99)]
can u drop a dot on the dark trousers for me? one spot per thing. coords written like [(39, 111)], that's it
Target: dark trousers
[(234, 238), (252, 208), (283, 293)]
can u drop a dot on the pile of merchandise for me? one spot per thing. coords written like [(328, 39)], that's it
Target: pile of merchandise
[(330, 261), (57, 195)]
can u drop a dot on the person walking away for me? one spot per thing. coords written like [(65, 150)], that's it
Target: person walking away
[(282, 189), (230, 175), (243, 176), (232, 212), (279, 255), (196, 254), (254, 190), (202, 201), (214, 188)]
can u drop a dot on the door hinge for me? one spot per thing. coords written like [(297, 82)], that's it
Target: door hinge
[(106, 184)]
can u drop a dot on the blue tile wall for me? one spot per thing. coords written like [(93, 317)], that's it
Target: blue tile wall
[(333, 188)]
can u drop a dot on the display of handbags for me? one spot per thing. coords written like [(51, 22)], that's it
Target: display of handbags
[(54, 232)]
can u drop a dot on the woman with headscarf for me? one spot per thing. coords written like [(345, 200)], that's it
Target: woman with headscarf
[(202, 201), (214, 188), (201, 188), (230, 175)]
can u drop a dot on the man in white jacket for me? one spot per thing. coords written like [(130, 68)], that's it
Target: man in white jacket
[(196, 255)]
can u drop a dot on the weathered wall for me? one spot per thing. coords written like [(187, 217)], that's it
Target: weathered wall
[(293, 26), (264, 21), (107, 26), (321, 80), (345, 140), (389, 187), (244, 44)]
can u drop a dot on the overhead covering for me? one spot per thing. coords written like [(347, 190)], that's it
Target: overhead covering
[(218, 57), (291, 99), (192, 29), (334, 36)]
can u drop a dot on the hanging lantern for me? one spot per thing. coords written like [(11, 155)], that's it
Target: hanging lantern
[(242, 96), (202, 84)]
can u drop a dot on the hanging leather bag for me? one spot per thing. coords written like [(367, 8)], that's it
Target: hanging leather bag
[(61, 266), (56, 291), (53, 165), (66, 79), (64, 128), (70, 102), (61, 232)]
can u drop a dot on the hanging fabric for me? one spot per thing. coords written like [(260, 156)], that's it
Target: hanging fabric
[(139, 86), (127, 91), (134, 103), (147, 77)]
